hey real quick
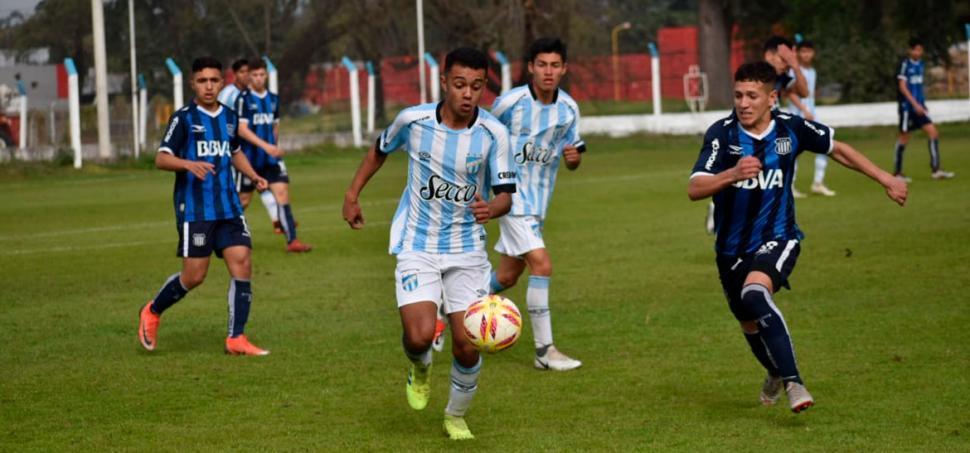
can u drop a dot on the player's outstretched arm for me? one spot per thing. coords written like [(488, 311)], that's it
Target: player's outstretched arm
[(846, 155), (241, 163), (703, 186), (368, 167), (247, 134), (167, 161)]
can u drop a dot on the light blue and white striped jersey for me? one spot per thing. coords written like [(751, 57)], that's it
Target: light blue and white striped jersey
[(539, 133), (810, 78), (446, 168), (228, 96)]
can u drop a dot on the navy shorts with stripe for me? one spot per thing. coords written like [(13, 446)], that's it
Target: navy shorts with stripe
[(909, 121), (774, 258), (200, 239), (273, 173)]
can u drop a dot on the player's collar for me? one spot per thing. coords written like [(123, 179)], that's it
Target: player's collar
[(913, 61), (555, 94), (763, 134), (207, 112), (261, 96), (437, 114)]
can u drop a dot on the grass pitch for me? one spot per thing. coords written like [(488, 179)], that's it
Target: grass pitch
[(879, 316)]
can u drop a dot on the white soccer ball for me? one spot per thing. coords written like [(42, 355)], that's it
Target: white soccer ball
[(493, 323)]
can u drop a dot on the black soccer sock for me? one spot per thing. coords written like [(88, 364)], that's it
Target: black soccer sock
[(287, 222), (772, 330), (240, 298), (898, 162), (761, 352), (934, 154), (172, 291)]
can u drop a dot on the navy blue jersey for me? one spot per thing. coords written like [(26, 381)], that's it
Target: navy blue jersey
[(750, 213), (912, 72), (261, 113), (196, 134)]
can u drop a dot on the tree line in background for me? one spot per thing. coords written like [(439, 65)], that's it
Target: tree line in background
[(859, 42)]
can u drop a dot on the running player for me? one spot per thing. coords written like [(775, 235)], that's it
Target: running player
[(199, 146), (228, 97), (543, 123), (455, 150), (746, 164), (913, 113), (805, 108), (259, 127)]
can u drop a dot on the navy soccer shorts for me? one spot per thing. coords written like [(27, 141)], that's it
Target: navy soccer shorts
[(273, 173), (774, 258), (909, 121), (200, 239)]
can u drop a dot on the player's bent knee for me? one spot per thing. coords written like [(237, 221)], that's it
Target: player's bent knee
[(507, 279), (192, 279), (418, 340), (754, 298), (542, 269)]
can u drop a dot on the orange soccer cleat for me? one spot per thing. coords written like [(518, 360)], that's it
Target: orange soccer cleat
[(241, 346), (298, 247), (148, 327)]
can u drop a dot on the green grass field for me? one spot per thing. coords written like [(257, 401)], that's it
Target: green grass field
[(879, 316)]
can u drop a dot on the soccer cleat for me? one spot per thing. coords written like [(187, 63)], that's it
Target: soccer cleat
[(940, 174), (709, 219), (771, 390), (277, 227), (148, 327), (456, 428), (820, 189), (298, 247), (419, 387), (241, 346), (438, 344), (904, 178), (797, 194), (554, 360), (798, 397)]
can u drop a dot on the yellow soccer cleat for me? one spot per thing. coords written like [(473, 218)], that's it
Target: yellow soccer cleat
[(456, 428), (419, 387)]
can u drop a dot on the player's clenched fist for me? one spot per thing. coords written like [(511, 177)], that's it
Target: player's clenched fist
[(747, 167), (572, 156), (352, 214), (480, 209)]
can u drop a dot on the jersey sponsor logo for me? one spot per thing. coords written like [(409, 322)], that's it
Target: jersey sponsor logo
[(507, 175), (438, 188), (715, 146), (773, 179), (782, 146), (916, 79), (532, 153), (262, 118), (812, 127), (171, 128), (212, 148), (198, 129)]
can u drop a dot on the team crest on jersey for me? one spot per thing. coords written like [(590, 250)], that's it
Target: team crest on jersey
[(473, 163), (409, 280), (782, 146), (231, 129), (198, 239)]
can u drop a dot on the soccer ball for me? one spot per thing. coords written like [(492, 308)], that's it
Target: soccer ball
[(493, 323)]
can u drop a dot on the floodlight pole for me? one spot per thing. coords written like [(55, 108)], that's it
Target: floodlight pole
[(22, 89), (967, 29), (134, 79), (506, 71), (433, 77), (101, 78), (655, 78), (371, 97), (274, 81), (74, 109), (423, 82), (354, 100), (176, 82), (616, 58), (142, 110)]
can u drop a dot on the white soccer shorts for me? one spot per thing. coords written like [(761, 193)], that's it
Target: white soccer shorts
[(457, 279), (519, 235)]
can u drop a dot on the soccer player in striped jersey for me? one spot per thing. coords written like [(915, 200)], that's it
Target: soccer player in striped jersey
[(913, 113), (746, 164), (543, 124), (455, 151), (200, 145), (259, 124)]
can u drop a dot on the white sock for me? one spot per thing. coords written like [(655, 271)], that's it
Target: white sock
[(537, 300), (269, 202), (821, 162), (464, 384)]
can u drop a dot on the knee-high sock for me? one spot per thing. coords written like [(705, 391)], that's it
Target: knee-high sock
[(772, 330), (537, 299), (170, 293), (934, 154), (240, 297), (464, 384), (269, 202), (821, 162), (287, 222), (898, 161), (494, 285), (760, 352)]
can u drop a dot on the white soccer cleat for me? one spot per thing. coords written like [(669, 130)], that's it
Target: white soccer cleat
[(798, 397), (940, 174), (797, 194), (556, 361), (771, 390), (903, 178), (820, 189)]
